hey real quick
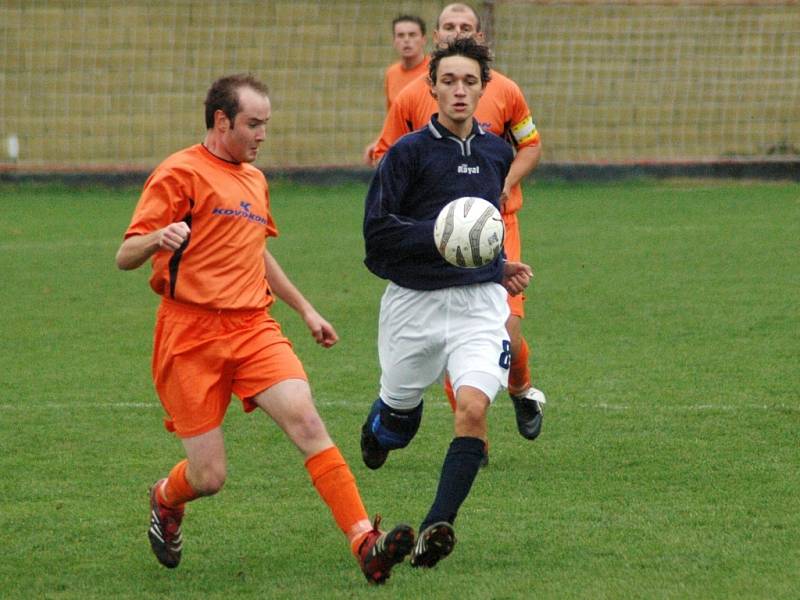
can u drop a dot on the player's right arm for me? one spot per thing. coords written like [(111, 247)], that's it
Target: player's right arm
[(160, 220), (516, 277), (388, 230), (135, 250)]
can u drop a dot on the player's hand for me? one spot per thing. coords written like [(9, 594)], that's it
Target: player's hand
[(369, 154), (323, 332), (173, 235), (516, 277), (503, 199)]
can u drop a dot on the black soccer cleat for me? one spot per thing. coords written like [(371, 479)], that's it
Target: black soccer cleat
[(434, 543), (380, 551), (373, 454), (528, 409), (165, 535)]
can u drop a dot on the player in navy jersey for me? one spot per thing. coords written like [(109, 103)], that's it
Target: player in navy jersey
[(435, 316)]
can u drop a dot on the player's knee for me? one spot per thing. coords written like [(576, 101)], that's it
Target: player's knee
[(307, 426), (210, 479), (471, 408), (392, 427)]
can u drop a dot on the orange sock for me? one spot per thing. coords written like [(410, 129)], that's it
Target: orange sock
[(448, 391), (337, 488), (519, 375), (176, 491)]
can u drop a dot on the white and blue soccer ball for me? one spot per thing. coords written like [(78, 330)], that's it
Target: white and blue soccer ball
[(469, 232)]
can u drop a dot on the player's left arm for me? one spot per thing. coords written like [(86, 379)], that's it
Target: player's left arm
[(283, 288), (524, 136), (526, 160)]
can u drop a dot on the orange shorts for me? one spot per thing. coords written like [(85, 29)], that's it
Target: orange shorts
[(201, 357), (512, 244)]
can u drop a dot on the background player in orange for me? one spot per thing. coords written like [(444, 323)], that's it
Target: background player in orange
[(503, 111), (203, 218), (408, 40)]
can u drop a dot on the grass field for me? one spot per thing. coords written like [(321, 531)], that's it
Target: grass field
[(665, 326)]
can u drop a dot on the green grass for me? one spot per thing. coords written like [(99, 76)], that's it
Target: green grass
[(664, 322)]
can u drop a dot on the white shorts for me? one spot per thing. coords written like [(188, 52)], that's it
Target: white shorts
[(460, 329)]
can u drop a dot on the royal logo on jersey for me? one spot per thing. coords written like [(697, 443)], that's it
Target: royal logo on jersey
[(243, 213), (463, 168)]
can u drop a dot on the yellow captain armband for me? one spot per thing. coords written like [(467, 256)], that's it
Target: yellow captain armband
[(525, 131)]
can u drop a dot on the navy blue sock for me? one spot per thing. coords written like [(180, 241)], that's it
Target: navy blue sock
[(458, 472)]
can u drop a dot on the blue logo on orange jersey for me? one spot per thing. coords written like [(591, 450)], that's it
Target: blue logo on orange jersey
[(242, 213)]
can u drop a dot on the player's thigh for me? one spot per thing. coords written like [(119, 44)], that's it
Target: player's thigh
[(189, 370), (478, 340), (410, 343), (263, 357)]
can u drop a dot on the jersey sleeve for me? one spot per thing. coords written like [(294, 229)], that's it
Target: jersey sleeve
[(388, 234), (164, 200), (523, 130)]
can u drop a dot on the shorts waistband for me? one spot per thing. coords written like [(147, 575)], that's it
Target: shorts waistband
[(193, 309)]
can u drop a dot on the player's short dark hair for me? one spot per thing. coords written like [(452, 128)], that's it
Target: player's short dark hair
[(409, 19), (466, 47), (224, 95)]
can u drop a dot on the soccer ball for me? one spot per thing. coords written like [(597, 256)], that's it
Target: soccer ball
[(469, 232)]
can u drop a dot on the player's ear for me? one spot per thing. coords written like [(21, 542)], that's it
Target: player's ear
[(221, 120), (430, 88)]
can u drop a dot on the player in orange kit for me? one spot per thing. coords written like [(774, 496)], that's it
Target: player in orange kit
[(203, 218), (503, 111), (408, 39)]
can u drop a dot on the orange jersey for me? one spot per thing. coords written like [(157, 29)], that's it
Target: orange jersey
[(226, 206), (397, 77), (502, 110)]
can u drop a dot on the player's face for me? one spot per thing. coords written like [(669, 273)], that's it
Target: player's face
[(243, 137), (408, 39), (457, 90), (454, 24)]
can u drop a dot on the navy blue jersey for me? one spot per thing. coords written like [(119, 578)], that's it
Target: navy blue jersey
[(419, 175)]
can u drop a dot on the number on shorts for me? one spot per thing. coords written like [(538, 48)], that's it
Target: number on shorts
[(505, 355)]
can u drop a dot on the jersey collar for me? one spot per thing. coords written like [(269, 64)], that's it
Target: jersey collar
[(439, 131)]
